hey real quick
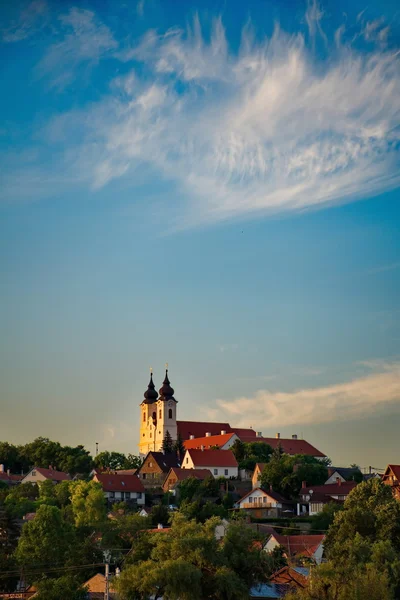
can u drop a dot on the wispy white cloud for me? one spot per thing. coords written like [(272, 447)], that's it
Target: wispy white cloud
[(84, 40), (30, 19), (359, 397), (265, 130)]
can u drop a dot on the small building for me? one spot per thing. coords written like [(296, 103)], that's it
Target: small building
[(298, 547), (313, 498), (96, 588), (39, 474), (9, 478), (291, 446), (295, 577), (118, 488), (342, 473), (223, 441), (391, 477), (176, 475), (155, 467), (255, 479), (221, 463), (261, 504)]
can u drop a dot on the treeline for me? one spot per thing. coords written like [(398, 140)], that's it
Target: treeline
[(43, 452)]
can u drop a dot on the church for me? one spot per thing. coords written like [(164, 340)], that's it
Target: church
[(158, 414)]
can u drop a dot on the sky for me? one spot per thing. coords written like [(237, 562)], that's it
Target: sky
[(212, 185)]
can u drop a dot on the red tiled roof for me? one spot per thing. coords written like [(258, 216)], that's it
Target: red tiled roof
[(299, 544), (200, 428), (342, 489), (213, 458), (52, 474), (290, 575), (395, 470), (9, 478), (125, 471), (182, 474), (249, 433), (119, 483), (289, 446), (207, 442)]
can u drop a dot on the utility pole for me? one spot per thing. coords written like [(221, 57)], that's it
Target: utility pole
[(106, 593), (97, 448)]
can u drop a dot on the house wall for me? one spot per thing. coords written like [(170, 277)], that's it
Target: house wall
[(33, 477), (151, 474), (259, 498), (139, 497), (255, 479), (334, 477), (318, 554)]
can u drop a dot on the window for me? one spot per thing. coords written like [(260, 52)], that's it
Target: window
[(144, 475), (170, 413), (187, 460), (139, 495), (226, 472), (150, 465), (159, 414), (265, 499), (112, 494), (215, 471), (151, 435), (250, 500), (33, 473), (144, 417)]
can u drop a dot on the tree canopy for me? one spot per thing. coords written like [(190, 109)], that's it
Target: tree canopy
[(286, 473)]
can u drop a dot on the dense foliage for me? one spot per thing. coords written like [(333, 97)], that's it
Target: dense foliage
[(248, 454)]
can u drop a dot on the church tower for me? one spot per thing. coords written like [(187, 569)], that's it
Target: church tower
[(157, 416)]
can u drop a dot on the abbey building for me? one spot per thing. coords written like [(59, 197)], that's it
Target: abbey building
[(158, 414)]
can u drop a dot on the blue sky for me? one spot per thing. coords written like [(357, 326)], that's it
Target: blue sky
[(212, 185)]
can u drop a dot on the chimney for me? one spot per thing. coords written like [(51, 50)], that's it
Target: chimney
[(223, 432), (208, 434), (338, 480), (8, 472), (1, 468), (294, 436), (202, 448), (304, 484), (277, 435), (191, 437), (160, 526)]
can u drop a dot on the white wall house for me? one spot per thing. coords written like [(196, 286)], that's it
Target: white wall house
[(221, 463), (39, 474), (259, 498), (118, 488)]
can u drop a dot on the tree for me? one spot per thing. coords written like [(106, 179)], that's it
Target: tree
[(285, 473), (88, 503), (132, 462), (9, 533), (168, 444), (324, 519), (46, 540), (63, 587), (110, 460), (10, 457), (248, 454), (179, 447), (188, 563)]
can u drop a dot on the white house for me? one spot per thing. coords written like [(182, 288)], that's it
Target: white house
[(298, 546), (221, 463), (121, 487), (272, 503), (313, 498), (38, 475)]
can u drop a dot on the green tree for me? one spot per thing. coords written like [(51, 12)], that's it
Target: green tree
[(46, 492), (179, 447), (285, 473), (188, 563), (21, 499), (62, 493), (248, 454), (10, 457), (132, 462), (63, 587), (45, 541), (9, 533), (88, 503), (168, 444), (324, 519), (110, 460)]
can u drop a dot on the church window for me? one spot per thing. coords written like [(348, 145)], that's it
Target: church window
[(151, 435), (159, 413), (144, 417), (170, 413)]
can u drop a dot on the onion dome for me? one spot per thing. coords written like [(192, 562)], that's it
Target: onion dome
[(150, 394), (166, 391)]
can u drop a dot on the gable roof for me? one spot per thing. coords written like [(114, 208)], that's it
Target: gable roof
[(207, 442), (52, 474), (182, 474), (296, 576), (395, 470), (305, 545), (271, 493), (97, 586), (119, 483), (212, 458), (240, 431), (345, 472), (164, 461), (289, 446), (340, 489)]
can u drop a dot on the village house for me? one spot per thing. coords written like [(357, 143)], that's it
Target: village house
[(295, 577), (260, 504), (38, 475), (155, 467), (118, 488), (313, 498), (176, 475), (96, 588), (221, 463), (392, 477), (224, 441), (298, 547), (9, 478), (342, 473)]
